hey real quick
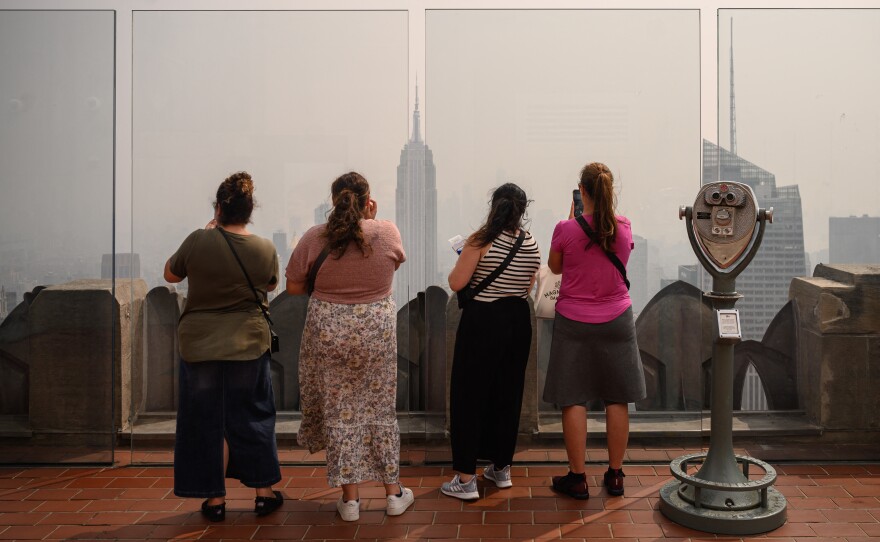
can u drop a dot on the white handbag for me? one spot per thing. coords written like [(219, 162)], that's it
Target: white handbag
[(546, 292)]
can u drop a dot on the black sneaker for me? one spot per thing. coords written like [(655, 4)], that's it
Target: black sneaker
[(614, 481), (572, 484)]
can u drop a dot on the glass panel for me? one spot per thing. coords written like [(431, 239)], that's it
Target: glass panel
[(295, 99), (532, 96), (798, 121), (60, 312)]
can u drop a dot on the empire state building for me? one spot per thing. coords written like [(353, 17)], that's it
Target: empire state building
[(416, 215)]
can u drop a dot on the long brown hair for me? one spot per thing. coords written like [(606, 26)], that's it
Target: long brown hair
[(506, 211), (350, 193), (235, 199), (598, 182)]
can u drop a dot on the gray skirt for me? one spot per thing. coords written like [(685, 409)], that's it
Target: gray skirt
[(594, 361)]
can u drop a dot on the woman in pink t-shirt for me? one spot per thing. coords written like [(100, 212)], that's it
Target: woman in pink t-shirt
[(594, 354), (348, 354)]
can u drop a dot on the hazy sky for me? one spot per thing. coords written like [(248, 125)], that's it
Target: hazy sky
[(524, 95)]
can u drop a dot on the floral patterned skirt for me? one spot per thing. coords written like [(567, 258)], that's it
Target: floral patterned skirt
[(348, 388)]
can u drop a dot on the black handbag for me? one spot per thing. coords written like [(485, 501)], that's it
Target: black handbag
[(466, 294), (276, 343), (591, 235)]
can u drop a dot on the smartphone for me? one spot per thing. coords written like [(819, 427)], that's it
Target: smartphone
[(578, 202)]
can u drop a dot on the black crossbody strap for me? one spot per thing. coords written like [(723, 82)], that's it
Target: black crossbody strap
[(313, 272), (251, 284), (501, 267), (591, 235)]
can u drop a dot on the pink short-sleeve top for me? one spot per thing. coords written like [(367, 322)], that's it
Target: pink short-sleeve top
[(592, 289), (353, 278)]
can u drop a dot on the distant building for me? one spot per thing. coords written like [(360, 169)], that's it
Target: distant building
[(279, 239), (766, 280), (689, 274), (3, 308), (416, 215), (854, 239), (128, 266), (321, 212), (637, 273)]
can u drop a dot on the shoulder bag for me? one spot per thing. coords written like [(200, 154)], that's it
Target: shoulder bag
[(313, 272), (276, 346), (594, 238), (466, 294)]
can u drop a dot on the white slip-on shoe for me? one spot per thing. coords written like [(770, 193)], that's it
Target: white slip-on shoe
[(459, 490), (349, 511), (397, 504), (500, 477)]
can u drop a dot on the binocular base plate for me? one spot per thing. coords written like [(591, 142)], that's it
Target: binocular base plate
[(732, 522)]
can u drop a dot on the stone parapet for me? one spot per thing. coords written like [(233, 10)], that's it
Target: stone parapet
[(838, 348), (81, 356)]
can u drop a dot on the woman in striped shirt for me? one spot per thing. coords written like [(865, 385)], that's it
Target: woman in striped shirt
[(491, 345)]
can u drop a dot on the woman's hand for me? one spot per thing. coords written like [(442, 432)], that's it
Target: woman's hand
[(371, 210)]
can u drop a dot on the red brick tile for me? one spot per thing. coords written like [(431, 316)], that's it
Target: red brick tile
[(22, 518), (131, 532), (811, 503), (80, 483), (331, 531), (382, 531), (98, 494), (836, 529), (115, 518), (858, 502), (52, 494), (791, 529), (824, 491), (848, 516), (19, 506), (65, 518), (871, 529), (526, 532), (108, 506), (532, 503), (507, 518), (424, 532), (229, 531), (629, 530), (177, 532), (484, 531), (461, 518), (794, 515), (75, 532), (445, 504), (592, 530), (564, 517), (27, 532)]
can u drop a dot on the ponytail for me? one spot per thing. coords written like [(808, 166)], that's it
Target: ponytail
[(350, 193), (598, 182)]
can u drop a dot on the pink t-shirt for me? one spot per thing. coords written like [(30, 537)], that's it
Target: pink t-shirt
[(592, 289), (351, 279)]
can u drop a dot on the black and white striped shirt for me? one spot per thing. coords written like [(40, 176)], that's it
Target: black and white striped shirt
[(513, 281)]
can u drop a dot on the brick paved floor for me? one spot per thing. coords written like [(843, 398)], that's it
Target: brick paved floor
[(825, 501)]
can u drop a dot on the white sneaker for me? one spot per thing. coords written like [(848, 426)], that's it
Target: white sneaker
[(349, 511), (500, 477), (459, 490), (398, 505)]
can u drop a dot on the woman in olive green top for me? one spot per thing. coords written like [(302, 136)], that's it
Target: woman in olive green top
[(226, 408)]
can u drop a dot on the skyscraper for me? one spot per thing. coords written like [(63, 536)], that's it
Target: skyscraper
[(416, 215), (766, 280)]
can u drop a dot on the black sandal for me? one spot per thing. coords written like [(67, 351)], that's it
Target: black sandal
[(214, 512), (264, 506)]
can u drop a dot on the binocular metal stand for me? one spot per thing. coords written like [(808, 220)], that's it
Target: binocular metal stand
[(721, 497)]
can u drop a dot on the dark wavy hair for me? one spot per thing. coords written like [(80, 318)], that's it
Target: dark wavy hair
[(350, 194), (235, 199), (507, 208), (598, 182)]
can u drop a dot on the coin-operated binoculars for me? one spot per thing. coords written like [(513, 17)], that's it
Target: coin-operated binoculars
[(725, 228)]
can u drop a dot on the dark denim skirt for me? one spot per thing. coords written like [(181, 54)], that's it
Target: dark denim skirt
[(229, 400)]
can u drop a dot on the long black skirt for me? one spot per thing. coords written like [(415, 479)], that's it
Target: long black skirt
[(488, 373)]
